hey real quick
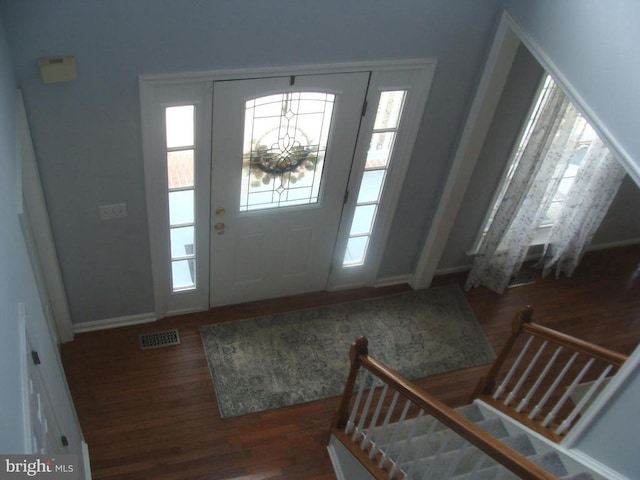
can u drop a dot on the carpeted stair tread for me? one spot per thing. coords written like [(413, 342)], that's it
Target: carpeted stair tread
[(489, 473), (382, 435), (578, 476), (551, 462), (457, 459), (465, 459), (427, 444)]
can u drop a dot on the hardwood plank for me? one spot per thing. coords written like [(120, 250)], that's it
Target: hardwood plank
[(153, 414)]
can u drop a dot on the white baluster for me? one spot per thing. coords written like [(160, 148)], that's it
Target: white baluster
[(564, 426), (408, 440), (525, 401), (385, 424), (551, 415), (392, 442), (374, 420), (349, 428), (525, 375), (514, 367), (555, 384), (365, 410)]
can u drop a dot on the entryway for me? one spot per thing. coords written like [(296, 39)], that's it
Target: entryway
[(281, 155), (273, 183)]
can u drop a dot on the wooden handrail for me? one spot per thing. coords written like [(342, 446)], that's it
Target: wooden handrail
[(614, 358), (508, 457), (522, 322)]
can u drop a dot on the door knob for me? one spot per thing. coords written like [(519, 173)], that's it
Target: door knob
[(219, 226)]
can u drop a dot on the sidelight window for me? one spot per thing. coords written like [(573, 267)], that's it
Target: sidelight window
[(376, 168), (180, 157)]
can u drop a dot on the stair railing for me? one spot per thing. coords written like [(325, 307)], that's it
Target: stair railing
[(379, 429), (546, 379)]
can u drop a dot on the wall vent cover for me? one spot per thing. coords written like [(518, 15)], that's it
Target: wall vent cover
[(165, 338), (521, 278)]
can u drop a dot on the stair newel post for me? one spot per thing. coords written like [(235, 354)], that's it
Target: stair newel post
[(487, 383), (358, 348)]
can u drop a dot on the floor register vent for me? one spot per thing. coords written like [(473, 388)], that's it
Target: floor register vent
[(521, 278), (165, 338)]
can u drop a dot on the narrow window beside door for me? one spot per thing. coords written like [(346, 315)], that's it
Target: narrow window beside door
[(180, 142), (376, 167)]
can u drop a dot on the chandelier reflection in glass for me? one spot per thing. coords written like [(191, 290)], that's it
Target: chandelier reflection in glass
[(285, 141)]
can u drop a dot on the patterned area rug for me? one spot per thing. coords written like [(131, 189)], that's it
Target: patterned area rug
[(290, 358)]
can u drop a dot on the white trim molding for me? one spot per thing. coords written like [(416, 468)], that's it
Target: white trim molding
[(393, 280), (36, 228), (486, 100), (195, 87), (116, 322)]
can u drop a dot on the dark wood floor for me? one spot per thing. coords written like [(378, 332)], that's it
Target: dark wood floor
[(153, 414)]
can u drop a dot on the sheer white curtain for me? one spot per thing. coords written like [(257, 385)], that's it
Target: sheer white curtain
[(587, 203), (537, 178)]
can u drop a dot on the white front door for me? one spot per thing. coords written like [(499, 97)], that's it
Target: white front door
[(282, 150)]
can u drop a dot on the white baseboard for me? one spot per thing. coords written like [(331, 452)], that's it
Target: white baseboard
[(533, 257), (114, 322), (452, 270), (345, 465), (604, 246), (394, 280), (86, 461)]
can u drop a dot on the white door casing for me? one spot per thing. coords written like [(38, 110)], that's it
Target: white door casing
[(414, 83), (158, 92), (155, 101), (277, 251)]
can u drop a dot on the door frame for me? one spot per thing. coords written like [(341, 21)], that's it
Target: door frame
[(151, 86), (303, 233)]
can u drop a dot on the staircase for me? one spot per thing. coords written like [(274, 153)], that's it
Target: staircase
[(512, 429), (436, 452)]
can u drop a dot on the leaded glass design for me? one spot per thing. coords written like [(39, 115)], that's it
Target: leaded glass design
[(285, 142), (181, 190)]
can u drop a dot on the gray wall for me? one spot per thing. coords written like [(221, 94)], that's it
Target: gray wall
[(87, 133)]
